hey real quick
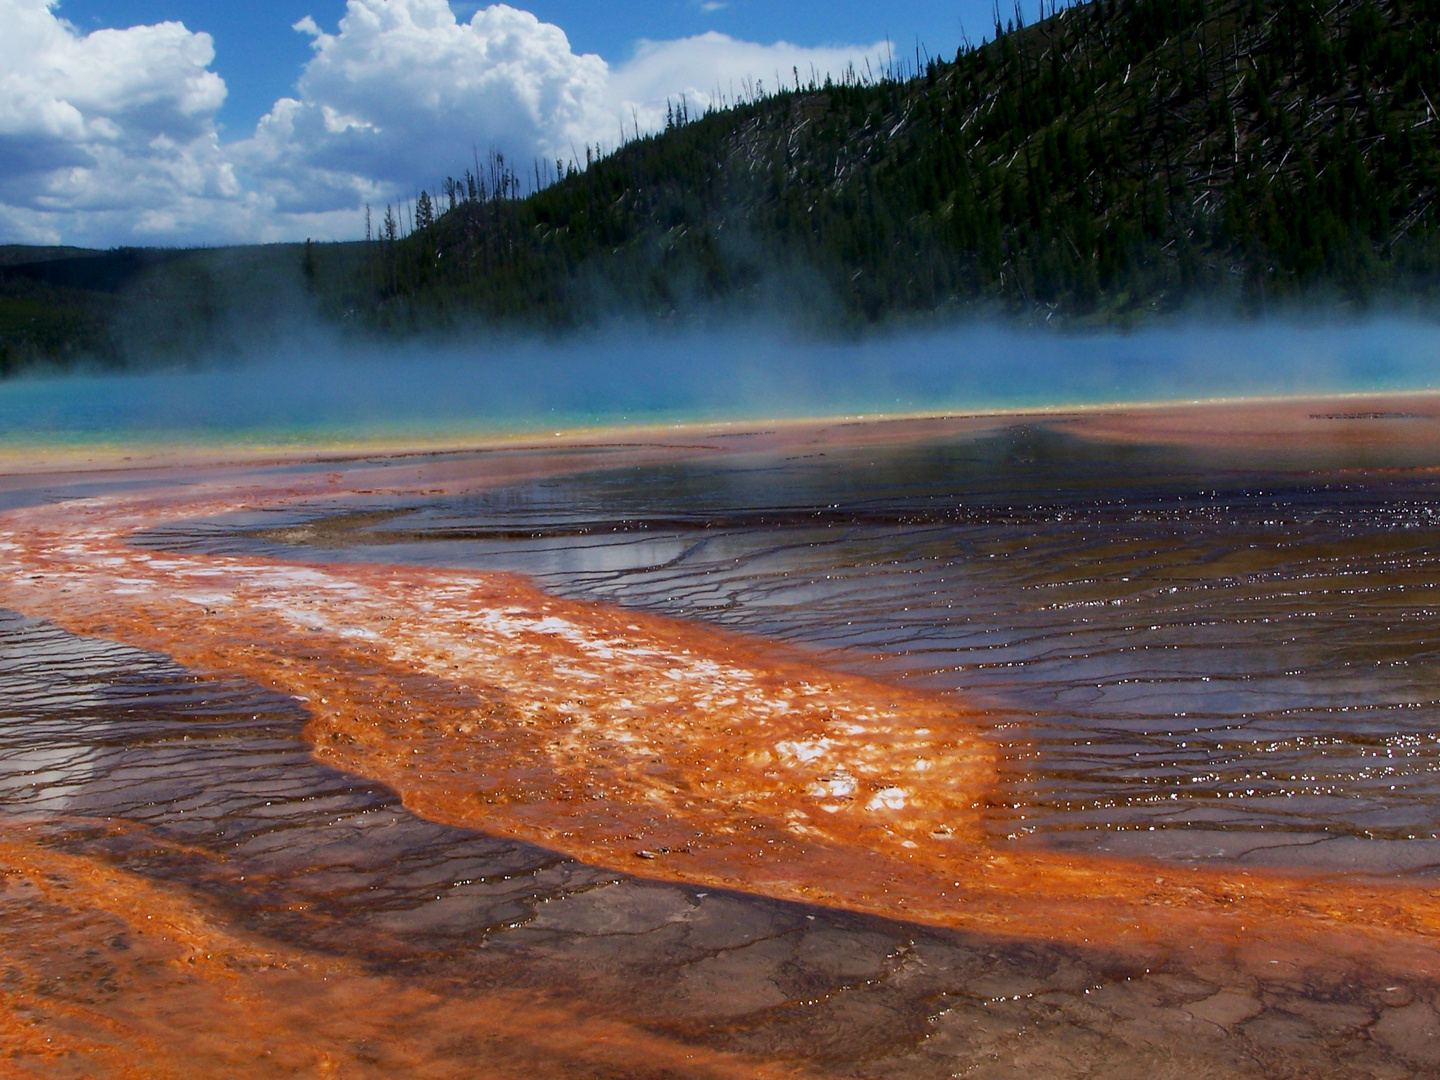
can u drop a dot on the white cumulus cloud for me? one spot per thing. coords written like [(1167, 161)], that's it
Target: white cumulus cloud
[(404, 91), (108, 134), (111, 137), (713, 69)]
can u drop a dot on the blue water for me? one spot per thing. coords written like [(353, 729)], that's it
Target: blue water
[(318, 388)]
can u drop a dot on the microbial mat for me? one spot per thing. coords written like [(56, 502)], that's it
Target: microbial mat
[(1064, 744)]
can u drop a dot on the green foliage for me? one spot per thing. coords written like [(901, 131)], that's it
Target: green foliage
[(35, 328), (1116, 157), (138, 307)]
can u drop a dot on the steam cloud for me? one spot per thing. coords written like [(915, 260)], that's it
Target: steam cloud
[(315, 386)]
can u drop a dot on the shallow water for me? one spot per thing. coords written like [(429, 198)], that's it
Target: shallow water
[(1137, 624), (208, 790), (1235, 663)]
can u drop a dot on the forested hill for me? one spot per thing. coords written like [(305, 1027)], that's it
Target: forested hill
[(1116, 157)]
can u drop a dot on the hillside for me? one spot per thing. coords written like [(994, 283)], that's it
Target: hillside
[(1117, 157), (141, 306), (1112, 162)]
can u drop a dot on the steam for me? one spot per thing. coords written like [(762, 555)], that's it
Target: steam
[(314, 386)]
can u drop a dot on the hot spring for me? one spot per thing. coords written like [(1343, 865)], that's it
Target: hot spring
[(634, 723)]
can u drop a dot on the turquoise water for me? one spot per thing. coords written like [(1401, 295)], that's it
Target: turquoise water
[(318, 389)]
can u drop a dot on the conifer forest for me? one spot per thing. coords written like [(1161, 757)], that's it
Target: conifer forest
[(1112, 162)]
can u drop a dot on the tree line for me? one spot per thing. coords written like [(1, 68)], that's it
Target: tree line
[(1113, 158)]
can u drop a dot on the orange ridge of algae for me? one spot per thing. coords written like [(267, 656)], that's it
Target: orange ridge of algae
[(605, 734)]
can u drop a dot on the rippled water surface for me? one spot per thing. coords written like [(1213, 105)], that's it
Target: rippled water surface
[(1234, 662), (1192, 658)]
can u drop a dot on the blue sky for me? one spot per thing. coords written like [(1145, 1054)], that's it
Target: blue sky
[(260, 56), (203, 122)]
